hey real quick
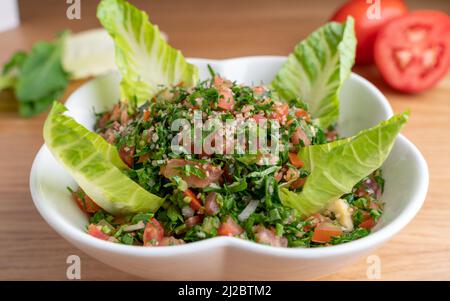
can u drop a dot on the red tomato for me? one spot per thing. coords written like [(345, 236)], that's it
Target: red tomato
[(226, 99), (84, 202), (413, 52), (229, 228), (96, 232), (212, 173), (295, 160), (368, 221), (153, 233), (314, 220), (298, 183), (298, 135), (195, 203), (367, 24), (146, 116), (281, 110), (301, 113), (324, 232), (127, 155), (268, 237)]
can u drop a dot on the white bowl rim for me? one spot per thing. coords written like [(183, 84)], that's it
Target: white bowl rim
[(80, 238)]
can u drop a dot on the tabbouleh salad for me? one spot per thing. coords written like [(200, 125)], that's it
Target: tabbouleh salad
[(224, 195), (316, 189)]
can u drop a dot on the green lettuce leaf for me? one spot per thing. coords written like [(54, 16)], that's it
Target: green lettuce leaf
[(335, 168), (95, 165), (147, 63), (316, 70)]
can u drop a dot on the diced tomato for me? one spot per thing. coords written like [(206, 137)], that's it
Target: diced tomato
[(84, 202), (103, 120), (300, 135), (291, 174), (301, 113), (212, 173), (259, 90), (127, 155), (314, 220), (258, 117), (279, 175), (295, 160), (143, 158), (96, 232), (300, 182), (268, 237), (146, 115), (281, 110), (324, 232), (368, 221), (116, 111), (229, 228), (153, 233), (195, 203), (226, 99), (124, 117)]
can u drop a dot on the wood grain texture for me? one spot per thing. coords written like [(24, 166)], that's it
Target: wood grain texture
[(30, 249)]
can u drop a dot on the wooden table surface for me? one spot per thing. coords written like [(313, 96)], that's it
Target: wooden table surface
[(30, 249)]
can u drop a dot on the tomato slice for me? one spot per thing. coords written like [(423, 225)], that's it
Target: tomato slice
[(229, 228), (173, 168), (84, 202), (96, 232), (368, 221), (324, 232), (280, 111), (127, 155), (295, 160), (412, 52), (153, 233), (195, 203)]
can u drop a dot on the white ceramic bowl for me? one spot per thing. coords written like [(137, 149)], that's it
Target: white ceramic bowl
[(362, 106)]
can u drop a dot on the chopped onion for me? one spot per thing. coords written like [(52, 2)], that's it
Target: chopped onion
[(113, 239), (187, 211), (140, 225), (251, 207), (104, 223)]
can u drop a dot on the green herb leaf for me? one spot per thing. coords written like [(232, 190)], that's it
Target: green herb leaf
[(42, 78)]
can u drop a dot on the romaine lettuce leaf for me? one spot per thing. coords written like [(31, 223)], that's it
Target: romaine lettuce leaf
[(316, 70), (338, 166), (147, 63), (95, 165)]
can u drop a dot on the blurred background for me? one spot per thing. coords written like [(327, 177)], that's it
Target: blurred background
[(30, 249)]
